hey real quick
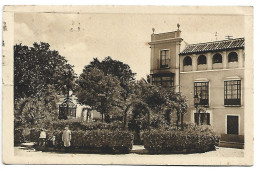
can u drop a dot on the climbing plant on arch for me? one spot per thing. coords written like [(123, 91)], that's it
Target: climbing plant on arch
[(176, 103), (137, 118), (164, 103), (139, 109)]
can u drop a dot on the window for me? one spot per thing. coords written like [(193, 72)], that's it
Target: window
[(202, 60), (202, 90), (187, 61), (165, 81), (202, 118), (217, 58), (232, 57), (232, 93), (164, 59)]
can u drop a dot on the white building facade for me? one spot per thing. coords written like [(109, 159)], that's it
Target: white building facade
[(212, 71)]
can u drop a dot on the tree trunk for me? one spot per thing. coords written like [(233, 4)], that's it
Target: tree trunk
[(178, 119), (181, 121)]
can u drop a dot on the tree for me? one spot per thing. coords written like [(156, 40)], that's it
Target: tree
[(40, 74), (101, 92), (117, 69), (36, 111), (37, 67), (162, 101)]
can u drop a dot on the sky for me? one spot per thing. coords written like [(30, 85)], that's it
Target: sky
[(124, 36)]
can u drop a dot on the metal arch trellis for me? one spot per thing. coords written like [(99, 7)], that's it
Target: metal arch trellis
[(135, 103)]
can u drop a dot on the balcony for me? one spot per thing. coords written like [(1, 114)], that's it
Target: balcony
[(202, 102), (232, 102)]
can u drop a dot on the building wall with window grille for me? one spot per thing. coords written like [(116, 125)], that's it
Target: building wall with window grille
[(216, 74), (221, 102), (214, 71)]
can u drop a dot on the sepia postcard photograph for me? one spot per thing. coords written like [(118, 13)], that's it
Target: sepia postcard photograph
[(128, 85)]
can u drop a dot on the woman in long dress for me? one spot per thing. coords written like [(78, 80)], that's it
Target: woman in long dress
[(66, 138)]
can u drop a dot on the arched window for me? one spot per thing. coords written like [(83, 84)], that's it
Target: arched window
[(232, 57), (187, 61), (202, 60), (217, 58)]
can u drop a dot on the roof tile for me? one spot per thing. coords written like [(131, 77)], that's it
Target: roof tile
[(214, 46)]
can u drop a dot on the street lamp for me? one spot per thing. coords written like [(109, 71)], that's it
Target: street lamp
[(102, 96), (196, 104), (67, 108), (199, 108), (196, 100), (67, 74)]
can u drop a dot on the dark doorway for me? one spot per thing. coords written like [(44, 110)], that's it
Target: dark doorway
[(232, 125)]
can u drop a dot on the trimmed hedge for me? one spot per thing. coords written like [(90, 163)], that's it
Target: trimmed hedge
[(115, 141), (77, 125), (59, 125), (192, 139)]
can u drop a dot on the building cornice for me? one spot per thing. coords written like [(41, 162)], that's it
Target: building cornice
[(172, 40), (213, 70)]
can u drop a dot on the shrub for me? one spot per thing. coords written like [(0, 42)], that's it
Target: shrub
[(77, 125), (21, 135), (18, 136), (191, 139), (34, 135), (158, 122), (120, 141), (56, 127)]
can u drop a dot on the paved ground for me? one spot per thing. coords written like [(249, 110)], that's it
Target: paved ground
[(137, 150), (136, 157)]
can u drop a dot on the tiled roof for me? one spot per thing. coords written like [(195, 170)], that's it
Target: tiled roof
[(214, 46)]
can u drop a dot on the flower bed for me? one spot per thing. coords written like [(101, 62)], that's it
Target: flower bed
[(192, 139)]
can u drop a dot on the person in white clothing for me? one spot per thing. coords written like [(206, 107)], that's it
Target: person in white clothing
[(66, 138), (42, 138)]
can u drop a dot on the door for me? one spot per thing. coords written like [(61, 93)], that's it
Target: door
[(232, 124)]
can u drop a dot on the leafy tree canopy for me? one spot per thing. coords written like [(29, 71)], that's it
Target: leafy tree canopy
[(40, 74), (101, 92), (37, 67), (36, 111), (162, 101), (117, 69)]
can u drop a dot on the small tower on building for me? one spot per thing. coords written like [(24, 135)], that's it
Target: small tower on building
[(164, 63)]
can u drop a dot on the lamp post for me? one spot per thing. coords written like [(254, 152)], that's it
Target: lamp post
[(196, 103), (64, 107), (102, 96), (200, 108), (67, 74)]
